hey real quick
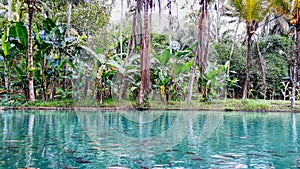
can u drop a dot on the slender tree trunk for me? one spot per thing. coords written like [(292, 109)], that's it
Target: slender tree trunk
[(231, 52), (145, 57), (217, 21), (262, 68), (295, 70), (191, 82), (44, 80), (248, 61), (69, 15), (30, 57), (130, 48), (201, 52), (101, 92), (6, 78), (52, 93), (170, 23), (121, 30), (122, 80), (86, 88), (9, 12), (203, 38)]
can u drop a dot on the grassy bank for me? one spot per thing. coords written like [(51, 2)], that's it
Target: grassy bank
[(226, 105)]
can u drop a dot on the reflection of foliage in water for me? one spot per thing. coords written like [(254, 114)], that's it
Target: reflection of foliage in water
[(60, 139)]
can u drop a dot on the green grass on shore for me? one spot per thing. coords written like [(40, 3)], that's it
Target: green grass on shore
[(227, 105)]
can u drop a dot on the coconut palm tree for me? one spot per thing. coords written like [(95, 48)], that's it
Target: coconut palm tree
[(145, 51), (145, 55), (201, 53), (252, 12), (31, 95), (291, 8)]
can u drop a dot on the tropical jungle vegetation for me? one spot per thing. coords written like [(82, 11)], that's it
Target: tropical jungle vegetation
[(78, 50)]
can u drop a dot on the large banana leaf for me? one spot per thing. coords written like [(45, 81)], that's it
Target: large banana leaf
[(20, 33), (164, 57)]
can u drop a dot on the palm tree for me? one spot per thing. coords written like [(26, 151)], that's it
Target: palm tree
[(31, 4), (145, 52), (291, 7), (201, 53), (145, 56), (133, 41), (251, 11)]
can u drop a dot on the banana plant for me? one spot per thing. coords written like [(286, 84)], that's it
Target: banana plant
[(213, 82), (13, 44), (171, 66), (94, 71)]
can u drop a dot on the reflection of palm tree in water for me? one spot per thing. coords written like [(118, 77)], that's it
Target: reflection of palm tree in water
[(30, 141)]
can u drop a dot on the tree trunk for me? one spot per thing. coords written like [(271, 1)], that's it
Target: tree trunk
[(30, 57), (191, 82), (170, 23), (86, 88), (145, 58), (6, 78), (203, 38), (248, 61), (52, 93), (231, 53), (295, 70), (121, 30), (122, 80), (201, 52), (69, 14), (217, 21), (262, 68), (44, 80), (130, 48), (9, 12), (101, 92)]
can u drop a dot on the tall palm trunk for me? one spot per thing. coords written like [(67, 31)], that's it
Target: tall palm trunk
[(217, 5), (121, 30), (295, 70), (30, 57), (170, 23), (69, 14), (262, 68), (122, 80), (248, 60), (201, 53), (145, 57), (203, 38)]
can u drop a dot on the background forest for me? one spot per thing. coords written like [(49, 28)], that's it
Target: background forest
[(79, 52)]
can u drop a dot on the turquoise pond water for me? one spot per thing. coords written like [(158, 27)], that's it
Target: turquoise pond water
[(151, 139)]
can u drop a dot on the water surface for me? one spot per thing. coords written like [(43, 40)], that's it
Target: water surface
[(151, 139)]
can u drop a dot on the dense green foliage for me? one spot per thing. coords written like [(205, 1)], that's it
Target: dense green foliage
[(91, 60)]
